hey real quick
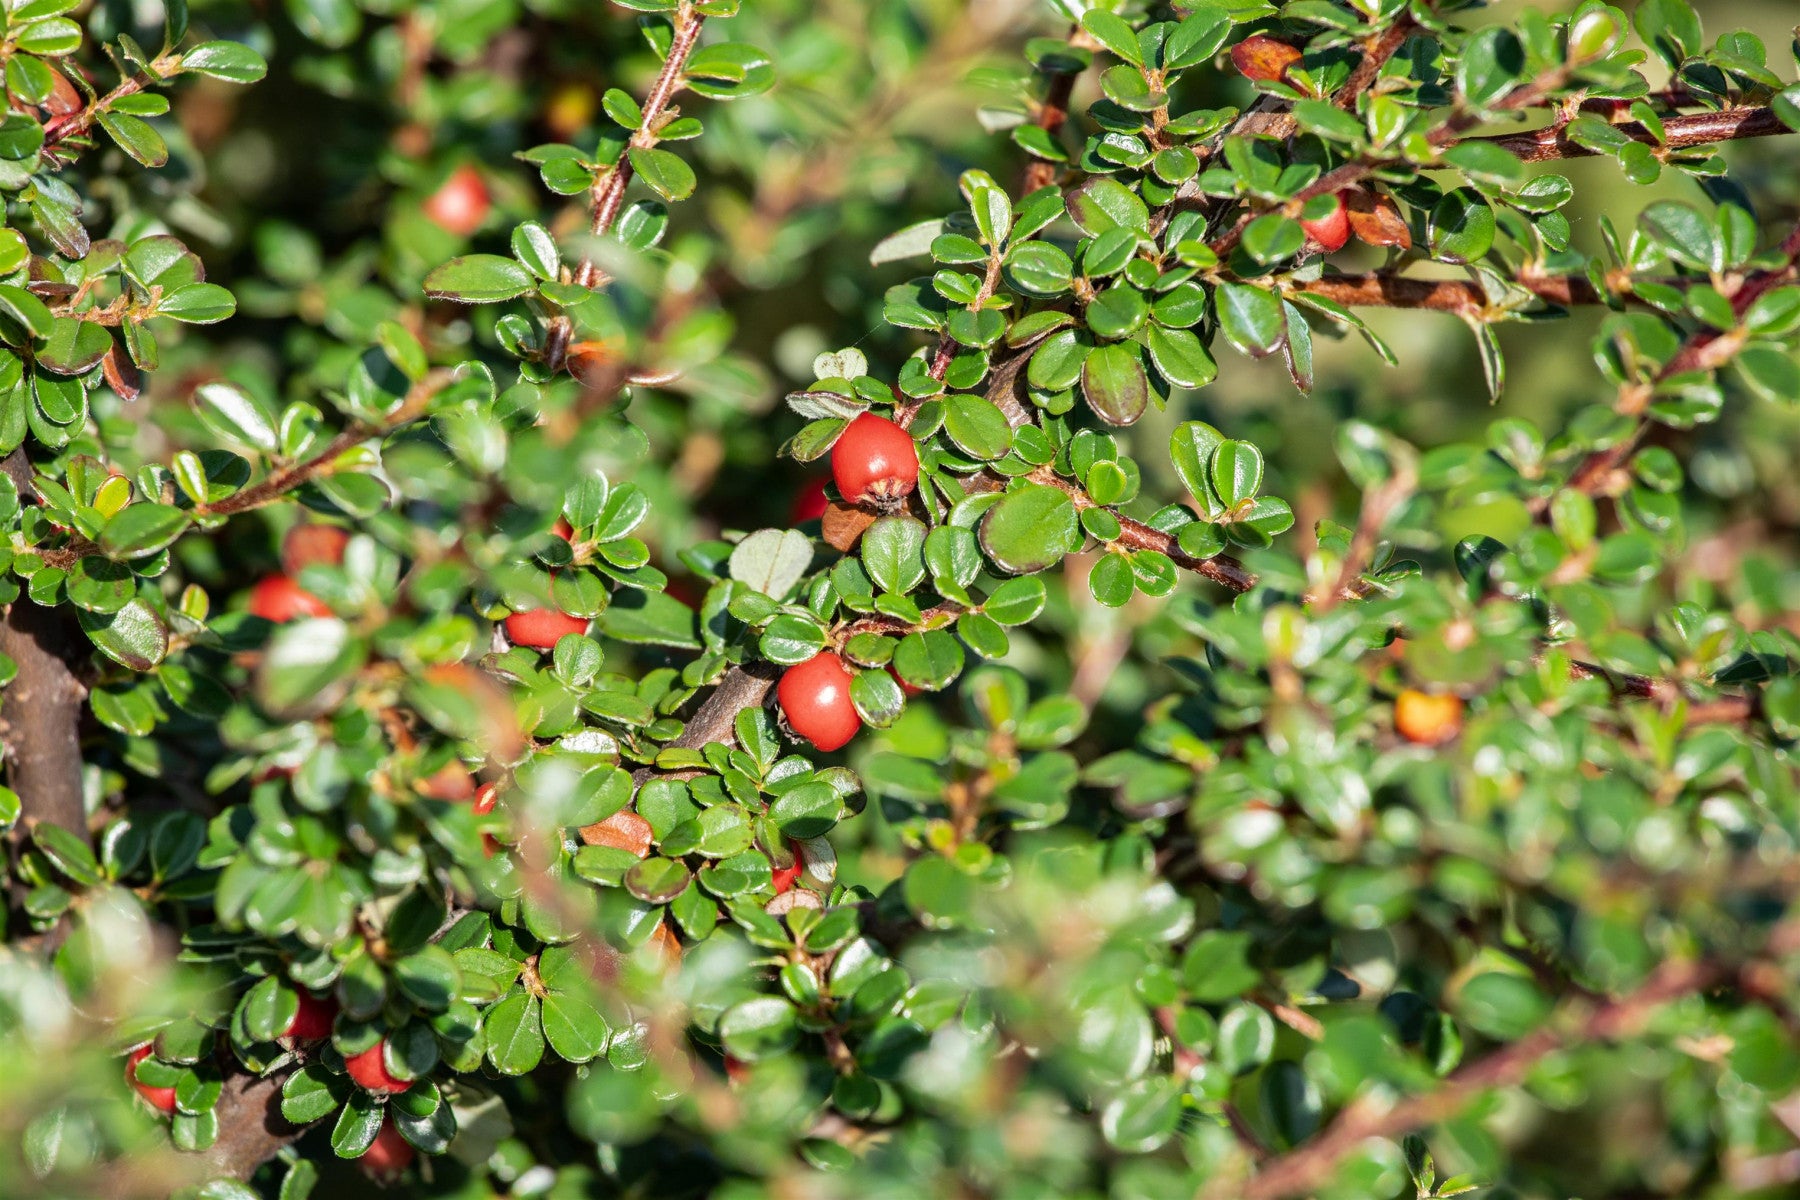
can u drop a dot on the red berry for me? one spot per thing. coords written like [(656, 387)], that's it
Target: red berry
[(810, 504), (279, 599), (460, 205), (369, 1069), (312, 1022), (875, 462), (783, 878), (389, 1154), (563, 529), (1330, 232), (310, 545), (160, 1098), (542, 628), (1428, 718), (905, 687), (815, 699)]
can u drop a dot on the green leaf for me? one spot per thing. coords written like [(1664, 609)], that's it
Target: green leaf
[(134, 636), (1236, 472), (760, 1028), (977, 426), (1102, 203), (197, 304), (514, 1034), (479, 279), (230, 61), (140, 530), (666, 173), (137, 138), (1251, 318), (1030, 529), (1114, 383), (1180, 357)]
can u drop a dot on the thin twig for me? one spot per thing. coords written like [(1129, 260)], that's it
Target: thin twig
[(608, 195)]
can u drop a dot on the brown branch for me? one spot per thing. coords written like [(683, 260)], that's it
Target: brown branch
[(1378, 505), (608, 194), (740, 688), (1681, 132), (1313, 1163), (282, 481), (1384, 289), (42, 706), (251, 1127), (1376, 52)]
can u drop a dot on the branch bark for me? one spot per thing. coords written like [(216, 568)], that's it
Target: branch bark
[(43, 704), (608, 195), (1682, 132)]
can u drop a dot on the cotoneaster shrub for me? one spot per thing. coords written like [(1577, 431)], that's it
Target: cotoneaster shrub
[(1264, 666)]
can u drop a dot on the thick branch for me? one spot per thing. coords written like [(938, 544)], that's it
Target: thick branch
[(251, 1127), (1384, 289), (42, 706), (1680, 133)]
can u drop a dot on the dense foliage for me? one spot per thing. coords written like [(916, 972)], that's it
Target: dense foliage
[(1134, 722)]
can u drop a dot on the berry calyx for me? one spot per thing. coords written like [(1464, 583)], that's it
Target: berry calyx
[(1263, 58), (279, 599), (389, 1154), (313, 545), (160, 1098), (461, 203), (815, 698), (312, 1021), (1333, 230), (542, 628), (370, 1070), (1426, 718), (810, 504), (875, 463)]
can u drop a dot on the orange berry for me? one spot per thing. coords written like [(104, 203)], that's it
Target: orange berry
[(1428, 718)]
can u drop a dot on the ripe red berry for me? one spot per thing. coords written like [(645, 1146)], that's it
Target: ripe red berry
[(784, 878), (389, 1154), (1330, 232), (815, 699), (312, 1022), (160, 1098), (810, 504), (905, 687), (370, 1070), (1263, 58), (461, 203), (563, 529), (312, 545), (279, 599), (542, 628), (875, 462)]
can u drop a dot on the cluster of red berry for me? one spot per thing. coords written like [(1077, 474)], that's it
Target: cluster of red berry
[(875, 465)]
